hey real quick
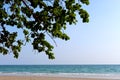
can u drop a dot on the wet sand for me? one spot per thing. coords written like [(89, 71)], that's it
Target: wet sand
[(44, 78)]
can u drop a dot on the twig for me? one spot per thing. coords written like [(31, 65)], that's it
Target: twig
[(27, 6), (51, 38)]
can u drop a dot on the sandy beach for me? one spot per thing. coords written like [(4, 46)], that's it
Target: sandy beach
[(44, 78)]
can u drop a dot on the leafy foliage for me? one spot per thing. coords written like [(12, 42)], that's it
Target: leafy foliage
[(37, 18)]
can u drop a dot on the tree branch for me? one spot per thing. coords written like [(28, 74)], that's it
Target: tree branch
[(27, 6)]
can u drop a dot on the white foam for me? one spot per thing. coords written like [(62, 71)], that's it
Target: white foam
[(87, 75)]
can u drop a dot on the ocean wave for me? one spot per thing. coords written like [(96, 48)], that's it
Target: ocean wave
[(73, 75)]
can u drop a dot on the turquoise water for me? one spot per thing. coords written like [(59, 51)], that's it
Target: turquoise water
[(60, 68), (105, 71)]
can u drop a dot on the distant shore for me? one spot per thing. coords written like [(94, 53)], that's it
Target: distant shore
[(45, 78)]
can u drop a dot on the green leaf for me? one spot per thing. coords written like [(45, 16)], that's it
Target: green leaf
[(25, 32), (85, 2)]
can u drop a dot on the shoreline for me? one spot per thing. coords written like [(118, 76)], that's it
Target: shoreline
[(62, 72), (78, 76), (64, 75), (47, 78)]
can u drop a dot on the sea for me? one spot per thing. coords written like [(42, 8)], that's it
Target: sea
[(77, 71)]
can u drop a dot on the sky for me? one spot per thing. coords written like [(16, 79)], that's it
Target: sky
[(96, 42)]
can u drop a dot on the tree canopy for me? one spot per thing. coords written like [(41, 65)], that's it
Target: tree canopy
[(37, 19)]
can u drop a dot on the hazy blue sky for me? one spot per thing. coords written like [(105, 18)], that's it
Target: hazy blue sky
[(97, 42)]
